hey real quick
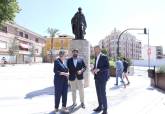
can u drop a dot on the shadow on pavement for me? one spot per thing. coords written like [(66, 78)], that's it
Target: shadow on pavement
[(160, 90), (52, 112), (116, 87), (58, 113), (45, 91), (151, 88), (94, 113), (72, 110)]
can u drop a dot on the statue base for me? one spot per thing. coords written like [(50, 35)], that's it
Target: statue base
[(84, 52)]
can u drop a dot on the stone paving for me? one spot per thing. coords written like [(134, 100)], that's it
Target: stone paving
[(28, 89)]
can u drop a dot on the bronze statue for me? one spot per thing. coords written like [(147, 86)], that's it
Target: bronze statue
[(79, 24)]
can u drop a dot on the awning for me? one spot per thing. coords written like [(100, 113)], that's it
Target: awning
[(24, 46)]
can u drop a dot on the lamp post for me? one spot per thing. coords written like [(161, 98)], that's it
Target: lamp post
[(149, 49), (118, 41)]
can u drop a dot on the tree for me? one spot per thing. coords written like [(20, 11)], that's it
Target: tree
[(43, 54), (14, 47), (8, 10), (52, 32), (32, 51), (104, 51)]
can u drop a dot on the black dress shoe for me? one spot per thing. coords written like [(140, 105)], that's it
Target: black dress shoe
[(82, 105), (98, 109), (116, 84)]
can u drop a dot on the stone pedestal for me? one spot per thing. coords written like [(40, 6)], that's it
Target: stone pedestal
[(84, 52)]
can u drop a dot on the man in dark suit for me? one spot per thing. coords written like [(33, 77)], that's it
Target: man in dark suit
[(76, 68), (101, 75)]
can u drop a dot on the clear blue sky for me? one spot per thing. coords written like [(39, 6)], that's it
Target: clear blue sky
[(102, 17)]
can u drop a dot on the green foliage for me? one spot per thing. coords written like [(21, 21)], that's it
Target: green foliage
[(104, 51), (32, 50), (112, 63), (92, 57), (52, 32), (92, 61), (129, 61), (8, 10), (42, 53), (14, 48)]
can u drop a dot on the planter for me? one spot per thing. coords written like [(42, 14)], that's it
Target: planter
[(131, 70), (152, 76), (153, 83), (160, 80), (151, 73), (112, 71)]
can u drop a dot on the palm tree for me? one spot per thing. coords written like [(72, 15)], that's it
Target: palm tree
[(52, 32)]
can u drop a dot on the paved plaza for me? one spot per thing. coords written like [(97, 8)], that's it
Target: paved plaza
[(28, 89)]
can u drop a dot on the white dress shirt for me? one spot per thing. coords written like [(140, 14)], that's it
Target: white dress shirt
[(75, 62), (97, 60)]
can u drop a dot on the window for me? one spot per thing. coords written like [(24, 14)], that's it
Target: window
[(3, 29), (3, 44), (21, 34), (36, 50), (26, 36), (37, 40)]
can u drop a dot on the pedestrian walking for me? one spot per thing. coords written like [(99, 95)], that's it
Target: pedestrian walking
[(119, 71), (125, 71)]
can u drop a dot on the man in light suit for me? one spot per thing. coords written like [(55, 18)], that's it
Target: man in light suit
[(76, 68), (101, 76)]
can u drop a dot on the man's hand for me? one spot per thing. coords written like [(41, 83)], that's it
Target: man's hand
[(95, 71), (79, 72), (67, 74), (64, 73)]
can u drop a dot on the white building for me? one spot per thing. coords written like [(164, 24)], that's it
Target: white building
[(13, 35), (155, 52), (129, 46)]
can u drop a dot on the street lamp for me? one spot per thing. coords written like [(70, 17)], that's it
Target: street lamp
[(145, 32), (149, 49)]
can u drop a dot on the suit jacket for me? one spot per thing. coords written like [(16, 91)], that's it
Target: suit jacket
[(59, 67), (73, 70), (125, 65), (103, 65)]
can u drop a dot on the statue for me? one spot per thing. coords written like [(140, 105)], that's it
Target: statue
[(79, 24)]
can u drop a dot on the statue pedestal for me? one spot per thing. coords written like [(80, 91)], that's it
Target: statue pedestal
[(84, 52)]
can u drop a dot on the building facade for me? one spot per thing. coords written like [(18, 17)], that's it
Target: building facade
[(155, 52), (20, 45), (62, 42), (129, 46)]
